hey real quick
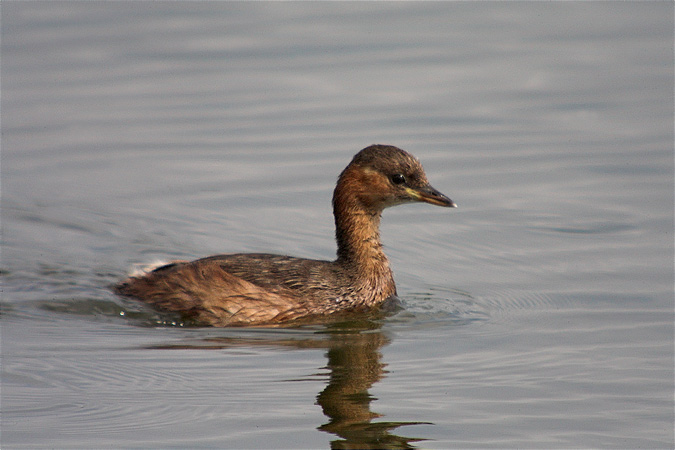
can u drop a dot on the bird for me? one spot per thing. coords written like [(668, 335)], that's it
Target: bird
[(259, 289)]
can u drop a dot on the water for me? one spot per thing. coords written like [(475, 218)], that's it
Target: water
[(537, 314)]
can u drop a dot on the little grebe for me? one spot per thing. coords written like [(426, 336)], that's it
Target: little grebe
[(262, 289)]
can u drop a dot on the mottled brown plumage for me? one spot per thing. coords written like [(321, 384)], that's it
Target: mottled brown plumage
[(262, 289)]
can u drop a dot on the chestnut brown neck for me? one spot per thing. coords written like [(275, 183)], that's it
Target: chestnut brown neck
[(357, 227)]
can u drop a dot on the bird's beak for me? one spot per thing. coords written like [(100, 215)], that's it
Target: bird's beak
[(428, 194)]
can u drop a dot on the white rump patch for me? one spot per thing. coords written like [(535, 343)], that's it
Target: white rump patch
[(141, 269)]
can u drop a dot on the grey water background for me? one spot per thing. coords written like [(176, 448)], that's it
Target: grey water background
[(537, 314)]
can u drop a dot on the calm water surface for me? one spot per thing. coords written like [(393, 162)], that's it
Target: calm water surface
[(537, 314)]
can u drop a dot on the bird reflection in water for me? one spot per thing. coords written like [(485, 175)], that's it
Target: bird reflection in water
[(354, 365), (354, 361)]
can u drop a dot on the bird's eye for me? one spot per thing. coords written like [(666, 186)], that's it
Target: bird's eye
[(397, 178)]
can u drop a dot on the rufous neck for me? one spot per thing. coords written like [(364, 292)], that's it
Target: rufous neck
[(357, 226)]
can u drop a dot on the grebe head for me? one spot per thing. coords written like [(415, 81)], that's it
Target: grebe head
[(380, 176)]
